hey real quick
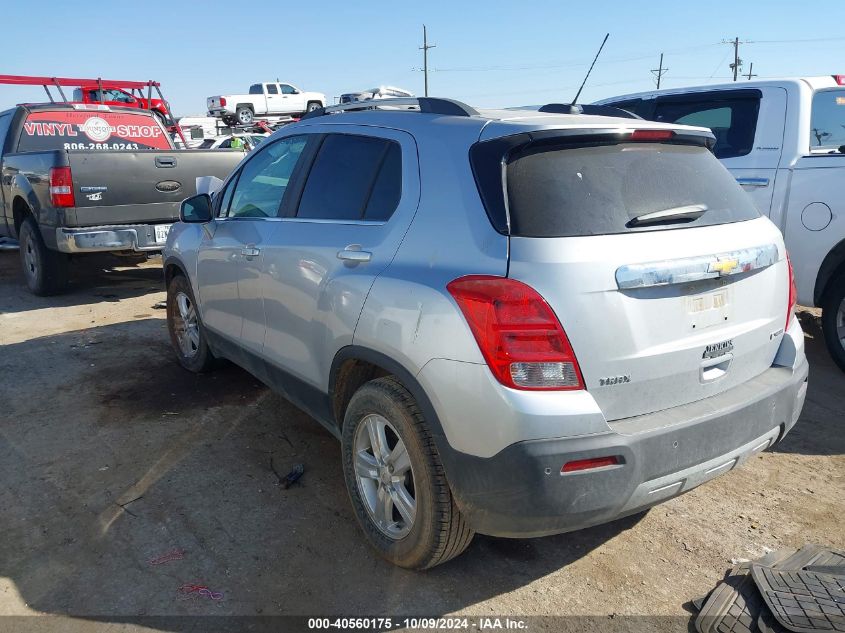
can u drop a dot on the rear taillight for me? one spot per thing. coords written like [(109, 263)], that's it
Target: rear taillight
[(839, 79), (793, 293), (222, 102), (652, 135), (518, 334), (61, 187)]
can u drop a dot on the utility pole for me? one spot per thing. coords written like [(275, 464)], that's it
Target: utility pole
[(424, 48), (737, 61), (659, 72), (750, 68)]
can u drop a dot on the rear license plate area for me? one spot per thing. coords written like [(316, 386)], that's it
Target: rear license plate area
[(708, 309), (161, 231)]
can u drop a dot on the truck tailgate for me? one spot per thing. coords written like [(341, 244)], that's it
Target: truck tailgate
[(144, 186)]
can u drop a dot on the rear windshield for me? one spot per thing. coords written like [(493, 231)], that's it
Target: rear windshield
[(827, 127), (87, 129), (600, 189)]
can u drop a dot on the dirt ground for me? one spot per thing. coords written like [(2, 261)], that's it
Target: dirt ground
[(112, 455)]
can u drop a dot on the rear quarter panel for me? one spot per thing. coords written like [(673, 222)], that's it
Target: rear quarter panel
[(815, 219)]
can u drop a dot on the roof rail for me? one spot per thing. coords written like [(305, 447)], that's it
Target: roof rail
[(428, 105), (595, 110)]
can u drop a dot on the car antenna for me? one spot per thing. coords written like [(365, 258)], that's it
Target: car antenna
[(578, 94)]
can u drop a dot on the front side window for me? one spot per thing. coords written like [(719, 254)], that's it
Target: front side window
[(827, 124), (264, 179), (732, 121), (119, 96), (353, 178), (288, 90)]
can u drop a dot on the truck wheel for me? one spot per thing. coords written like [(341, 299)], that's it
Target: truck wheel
[(187, 334), (313, 105), (244, 115), (45, 270), (230, 120), (833, 319), (395, 479)]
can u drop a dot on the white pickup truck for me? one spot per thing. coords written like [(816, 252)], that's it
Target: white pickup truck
[(266, 99), (784, 142)]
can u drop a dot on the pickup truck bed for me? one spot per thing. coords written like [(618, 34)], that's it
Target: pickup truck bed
[(91, 181)]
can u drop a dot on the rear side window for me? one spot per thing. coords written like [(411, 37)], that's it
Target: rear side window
[(827, 126), (99, 130), (255, 89), (733, 121), (598, 189), (5, 122), (272, 89), (353, 178)]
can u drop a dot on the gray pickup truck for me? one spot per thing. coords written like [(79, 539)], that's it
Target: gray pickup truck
[(78, 179)]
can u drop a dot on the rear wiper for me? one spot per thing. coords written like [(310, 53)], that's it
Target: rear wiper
[(677, 214)]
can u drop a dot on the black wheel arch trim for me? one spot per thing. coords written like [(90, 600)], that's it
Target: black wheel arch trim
[(833, 263), (453, 460), (177, 263)]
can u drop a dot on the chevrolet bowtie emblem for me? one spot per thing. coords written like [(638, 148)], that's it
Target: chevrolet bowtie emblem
[(723, 266)]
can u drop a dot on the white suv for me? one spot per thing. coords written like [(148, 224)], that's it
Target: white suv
[(517, 324)]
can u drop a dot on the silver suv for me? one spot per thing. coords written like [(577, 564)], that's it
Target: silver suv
[(516, 323)]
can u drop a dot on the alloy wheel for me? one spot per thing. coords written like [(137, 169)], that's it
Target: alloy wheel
[(186, 326), (385, 477)]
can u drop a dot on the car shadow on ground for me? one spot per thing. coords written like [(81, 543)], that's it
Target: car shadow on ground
[(93, 279), (819, 430), (126, 456)]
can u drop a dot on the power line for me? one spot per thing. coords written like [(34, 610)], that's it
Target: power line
[(750, 68), (737, 61), (659, 71), (424, 49)]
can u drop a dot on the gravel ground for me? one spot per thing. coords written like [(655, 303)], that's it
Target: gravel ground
[(111, 455)]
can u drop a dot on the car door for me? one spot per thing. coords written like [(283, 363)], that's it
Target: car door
[(230, 254), (340, 231), (293, 98), (275, 100), (748, 125)]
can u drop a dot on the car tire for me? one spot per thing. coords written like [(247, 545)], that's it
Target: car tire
[(408, 470), (187, 334), (833, 319), (44, 270), (244, 115), (313, 105)]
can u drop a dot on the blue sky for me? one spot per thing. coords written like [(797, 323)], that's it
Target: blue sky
[(487, 54)]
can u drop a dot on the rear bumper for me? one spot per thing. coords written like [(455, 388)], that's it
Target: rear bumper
[(521, 492), (95, 239)]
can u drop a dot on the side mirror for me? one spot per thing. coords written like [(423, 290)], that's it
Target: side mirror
[(196, 209)]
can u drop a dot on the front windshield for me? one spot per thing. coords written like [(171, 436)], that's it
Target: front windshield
[(827, 126)]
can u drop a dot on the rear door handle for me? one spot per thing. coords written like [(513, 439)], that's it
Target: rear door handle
[(753, 182), (353, 253), (165, 161), (250, 251)]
